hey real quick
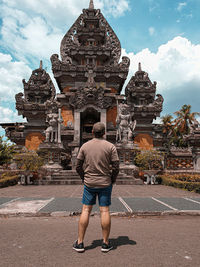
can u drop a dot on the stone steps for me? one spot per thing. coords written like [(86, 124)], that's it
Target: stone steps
[(69, 177)]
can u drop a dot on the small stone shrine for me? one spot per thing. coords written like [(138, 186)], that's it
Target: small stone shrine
[(90, 78)]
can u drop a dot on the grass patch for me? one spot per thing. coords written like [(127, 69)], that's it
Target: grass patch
[(183, 181)]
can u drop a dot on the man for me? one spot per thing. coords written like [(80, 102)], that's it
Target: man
[(97, 156)]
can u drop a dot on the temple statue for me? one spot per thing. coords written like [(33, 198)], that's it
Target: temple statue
[(125, 125), (51, 132)]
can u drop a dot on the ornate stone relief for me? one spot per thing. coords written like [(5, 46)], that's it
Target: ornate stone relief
[(125, 125), (70, 40), (90, 94)]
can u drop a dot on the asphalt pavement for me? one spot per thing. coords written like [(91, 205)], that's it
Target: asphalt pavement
[(126, 200), (39, 225)]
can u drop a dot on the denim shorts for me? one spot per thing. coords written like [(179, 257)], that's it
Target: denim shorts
[(104, 196)]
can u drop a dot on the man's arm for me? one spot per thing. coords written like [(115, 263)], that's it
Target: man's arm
[(115, 171), (79, 168)]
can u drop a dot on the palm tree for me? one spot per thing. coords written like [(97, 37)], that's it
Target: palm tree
[(167, 124), (185, 118)]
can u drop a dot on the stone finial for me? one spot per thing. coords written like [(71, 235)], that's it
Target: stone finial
[(91, 6), (41, 65), (139, 67)]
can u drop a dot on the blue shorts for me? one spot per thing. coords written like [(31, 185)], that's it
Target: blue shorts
[(104, 196)]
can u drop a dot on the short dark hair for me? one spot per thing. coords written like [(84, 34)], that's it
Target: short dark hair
[(98, 129)]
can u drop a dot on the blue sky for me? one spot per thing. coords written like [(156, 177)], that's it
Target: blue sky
[(164, 35)]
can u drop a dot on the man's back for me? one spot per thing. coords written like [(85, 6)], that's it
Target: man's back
[(97, 154)]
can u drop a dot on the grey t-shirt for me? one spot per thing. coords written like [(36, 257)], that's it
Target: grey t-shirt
[(97, 155)]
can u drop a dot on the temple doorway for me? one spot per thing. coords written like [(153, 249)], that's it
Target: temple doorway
[(88, 118)]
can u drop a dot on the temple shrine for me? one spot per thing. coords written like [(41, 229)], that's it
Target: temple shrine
[(90, 75)]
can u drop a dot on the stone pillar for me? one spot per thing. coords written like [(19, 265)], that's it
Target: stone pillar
[(103, 118), (77, 127), (196, 158), (59, 125)]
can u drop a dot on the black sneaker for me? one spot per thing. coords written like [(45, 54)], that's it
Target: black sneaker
[(106, 248), (78, 247)]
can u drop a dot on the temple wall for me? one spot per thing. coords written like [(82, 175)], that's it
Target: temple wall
[(113, 90), (33, 140), (66, 89), (112, 115), (144, 141), (67, 115)]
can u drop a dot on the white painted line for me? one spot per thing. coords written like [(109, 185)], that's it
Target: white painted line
[(192, 200), (125, 204), (10, 201), (46, 203), (163, 203)]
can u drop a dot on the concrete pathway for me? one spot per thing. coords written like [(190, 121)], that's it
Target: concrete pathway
[(168, 241)]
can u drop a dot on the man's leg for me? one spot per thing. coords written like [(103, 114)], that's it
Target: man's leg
[(83, 222), (105, 223)]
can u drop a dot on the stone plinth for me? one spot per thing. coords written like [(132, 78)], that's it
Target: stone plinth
[(52, 153), (196, 158)]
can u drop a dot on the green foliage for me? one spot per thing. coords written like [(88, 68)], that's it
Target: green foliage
[(149, 159), (29, 161), (8, 179), (176, 129), (7, 151), (190, 182)]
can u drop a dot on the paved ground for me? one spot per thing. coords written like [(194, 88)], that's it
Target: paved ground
[(65, 200), (138, 242)]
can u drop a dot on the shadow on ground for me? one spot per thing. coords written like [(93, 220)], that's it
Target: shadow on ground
[(115, 242)]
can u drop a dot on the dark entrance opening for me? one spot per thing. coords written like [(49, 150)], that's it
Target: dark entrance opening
[(88, 118)]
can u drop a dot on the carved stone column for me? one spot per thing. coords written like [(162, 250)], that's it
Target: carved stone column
[(77, 127), (196, 158), (103, 117)]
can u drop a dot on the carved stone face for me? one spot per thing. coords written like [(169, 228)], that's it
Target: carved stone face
[(90, 92)]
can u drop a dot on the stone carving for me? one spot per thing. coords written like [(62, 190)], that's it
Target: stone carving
[(125, 125), (158, 102), (40, 87), (56, 63), (194, 125), (140, 89), (90, 94), (54, 120), (71, 39), (52, 130), (19, 98), (125, 63), (91, 5)]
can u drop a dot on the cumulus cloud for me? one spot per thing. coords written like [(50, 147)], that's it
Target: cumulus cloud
[(8, 115), (175, 66), (11, 75), (181, 6), (34, 29), (27, 37)]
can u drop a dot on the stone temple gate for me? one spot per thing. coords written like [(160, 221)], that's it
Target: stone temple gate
[(90, 75)]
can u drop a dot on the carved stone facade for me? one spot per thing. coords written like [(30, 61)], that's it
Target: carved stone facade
[(90, 78)]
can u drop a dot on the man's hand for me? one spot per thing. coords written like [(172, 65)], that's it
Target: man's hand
[(79, 169), (115, 171)]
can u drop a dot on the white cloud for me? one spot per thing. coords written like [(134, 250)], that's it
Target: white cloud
[(11, 75), (28, 37), (175, 66), (151, 31), (7, 115), (181, 6), (34, 29)]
